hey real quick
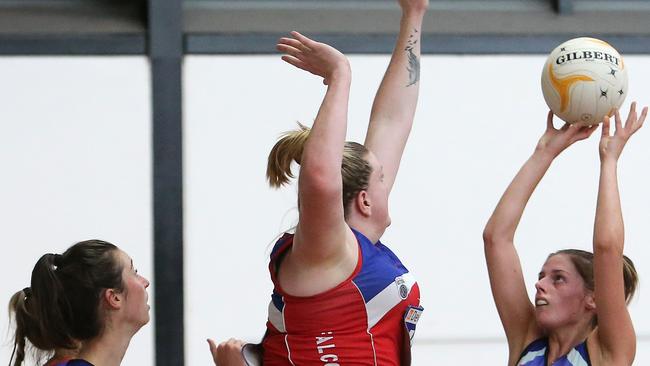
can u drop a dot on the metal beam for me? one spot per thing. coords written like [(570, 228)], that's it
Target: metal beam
[(103, 44), (431, 43), (456, 18), (456, 27), (165, 52), (67, 27)]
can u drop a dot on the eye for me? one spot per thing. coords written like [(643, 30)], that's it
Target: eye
[(558, 279)]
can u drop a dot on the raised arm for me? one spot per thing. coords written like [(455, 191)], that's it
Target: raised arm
[(394, 106), (321, 232), (506, 278), (615, 331)]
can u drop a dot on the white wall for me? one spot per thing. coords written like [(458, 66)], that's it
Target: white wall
[(75, 152), (75, 147), (478, 120)]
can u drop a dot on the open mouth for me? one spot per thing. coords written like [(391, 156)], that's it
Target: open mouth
[(541, 302)]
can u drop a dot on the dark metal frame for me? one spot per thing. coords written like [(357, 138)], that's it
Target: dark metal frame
[(165, 53), (482, 44), (41, 45), (165, 30)]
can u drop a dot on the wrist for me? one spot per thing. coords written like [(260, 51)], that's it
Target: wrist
[(413, 16), (608, 162), (542, 153), (341, 72), (543, 156)]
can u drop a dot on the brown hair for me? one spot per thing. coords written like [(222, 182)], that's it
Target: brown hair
[(62, 304), (355, 169), (584, 264)]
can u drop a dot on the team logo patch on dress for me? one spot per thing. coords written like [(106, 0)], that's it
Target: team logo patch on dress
[(411, 318), (402, 289)]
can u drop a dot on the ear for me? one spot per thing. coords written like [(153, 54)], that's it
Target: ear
[(590, 302), (362, 202), (113, 299)]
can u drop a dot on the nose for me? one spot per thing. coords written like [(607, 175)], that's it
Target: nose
[(539, 285), (146, 282)]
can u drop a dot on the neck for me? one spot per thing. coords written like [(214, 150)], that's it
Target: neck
[(561, 341), (365, 228), (108, 349)]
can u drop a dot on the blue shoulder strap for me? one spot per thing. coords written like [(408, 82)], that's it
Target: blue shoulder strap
[(75, 363)]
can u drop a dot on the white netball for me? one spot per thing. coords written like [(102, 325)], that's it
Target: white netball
[(583, 80)]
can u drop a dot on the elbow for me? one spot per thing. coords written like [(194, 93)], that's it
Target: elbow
[(490, 232), (608, 246), (609, 241), (320, 179), (494, 238), (488, 236)]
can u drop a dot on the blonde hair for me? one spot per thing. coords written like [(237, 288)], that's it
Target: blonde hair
[(355, 169)]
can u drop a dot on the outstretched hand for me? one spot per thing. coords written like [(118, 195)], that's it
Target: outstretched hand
[(227, 353), (611, 147), (315, 57), (554, 140)]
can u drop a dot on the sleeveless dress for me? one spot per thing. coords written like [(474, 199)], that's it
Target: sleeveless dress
[(537, 352), (368, 319)]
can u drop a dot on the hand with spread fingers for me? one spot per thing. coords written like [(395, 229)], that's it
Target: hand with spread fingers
[(227, 353), (554, 140), (611, 147), (315, 57)]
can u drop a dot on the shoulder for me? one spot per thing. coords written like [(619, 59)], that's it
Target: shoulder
[(281, 244)]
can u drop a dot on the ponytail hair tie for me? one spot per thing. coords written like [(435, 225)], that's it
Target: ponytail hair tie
[(56, 260), (28, 292)]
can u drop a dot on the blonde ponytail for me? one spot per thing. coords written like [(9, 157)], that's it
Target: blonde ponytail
[(630, 278), (355, 169), (288, 148)]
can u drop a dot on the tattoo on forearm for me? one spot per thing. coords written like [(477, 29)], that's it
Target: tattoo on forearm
[(414, 61)]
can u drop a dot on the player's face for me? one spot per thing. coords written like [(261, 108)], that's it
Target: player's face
[(136, 309), (378, 193), (561, 298)]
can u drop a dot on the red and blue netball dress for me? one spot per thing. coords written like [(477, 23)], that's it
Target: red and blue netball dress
[(536, 354), (368, 319)]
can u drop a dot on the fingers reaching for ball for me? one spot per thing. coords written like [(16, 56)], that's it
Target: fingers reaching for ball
[(612, 144), (554, 140)]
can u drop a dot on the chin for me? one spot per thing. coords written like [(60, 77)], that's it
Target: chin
[(145, 321), (541, 319), (146, 316), (546, 324)]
